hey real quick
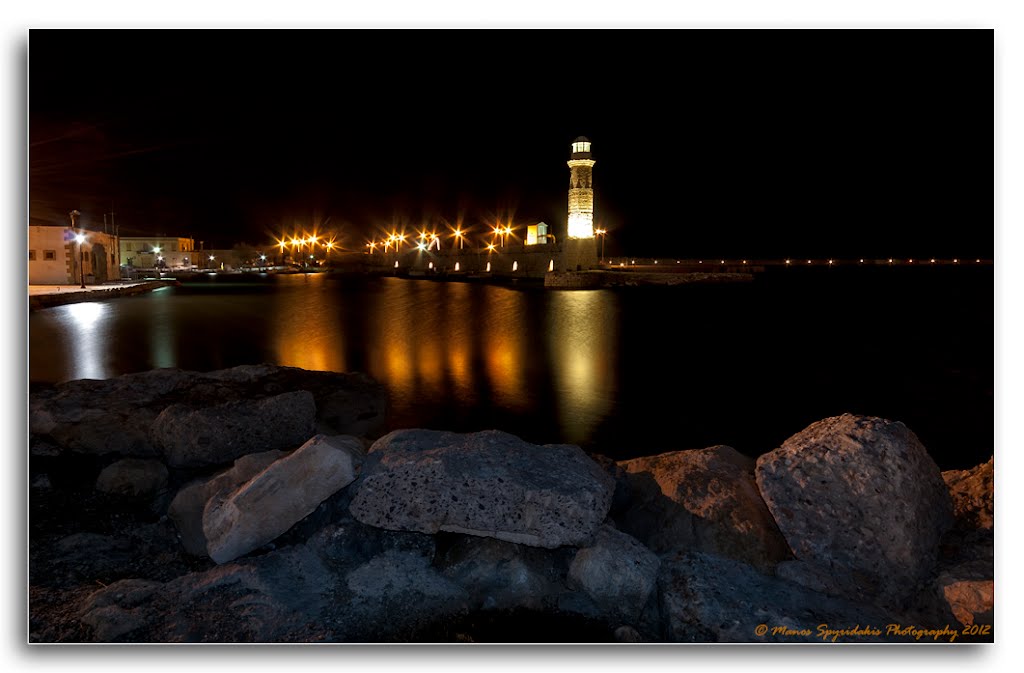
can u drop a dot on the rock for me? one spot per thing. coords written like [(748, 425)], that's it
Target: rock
[(40, 448), (277, 597), (216, 435), (106, 416), (972, 495), (490, 484), (860, 501), (970, 599), (133, 476), (627, 634), (113, 611), (964, 586), (116, 415), (87, 557), (702, 500), (282, 494), (500, 575), (707, 598), (186, 510), (616, 571), (396, 594)]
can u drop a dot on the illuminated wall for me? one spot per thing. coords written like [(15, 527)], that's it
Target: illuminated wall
[(581, 190)]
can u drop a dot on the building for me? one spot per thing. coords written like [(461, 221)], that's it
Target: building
[(581, 190), (537, 234), (56, 258), (146, 252)]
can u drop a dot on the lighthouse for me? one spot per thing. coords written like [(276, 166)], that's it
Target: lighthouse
[(581, 190)]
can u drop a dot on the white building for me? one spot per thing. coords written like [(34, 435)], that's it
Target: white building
[(56, 258)]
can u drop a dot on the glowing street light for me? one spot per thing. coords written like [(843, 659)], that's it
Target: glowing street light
[(459, 237), (601, 233)]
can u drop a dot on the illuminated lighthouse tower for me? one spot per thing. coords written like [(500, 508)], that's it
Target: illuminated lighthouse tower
[(581, 190)]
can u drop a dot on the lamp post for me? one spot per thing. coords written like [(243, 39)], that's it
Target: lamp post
[(601, 233), (80, 239), (156, 251)]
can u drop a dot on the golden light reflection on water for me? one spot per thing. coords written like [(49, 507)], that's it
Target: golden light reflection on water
[(306, 326), (504, 345), (582, 335), (456, 342), (459, 344)]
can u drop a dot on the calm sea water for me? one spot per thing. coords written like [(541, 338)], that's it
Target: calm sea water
[(626, 372)]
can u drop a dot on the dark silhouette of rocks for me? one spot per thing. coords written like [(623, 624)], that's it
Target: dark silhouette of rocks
[(436, 536)]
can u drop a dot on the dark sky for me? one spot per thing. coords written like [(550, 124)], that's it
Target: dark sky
[(734, 143)]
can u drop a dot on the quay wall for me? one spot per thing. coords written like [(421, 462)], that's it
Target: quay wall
[(513, 261)]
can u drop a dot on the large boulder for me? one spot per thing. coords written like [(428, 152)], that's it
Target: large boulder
[(282, 494), (490, 483), (106, 416), (216, 435), (861, 504), (616, 571), (116, 415), (701, 500), (186, 510), (972, 492), (706, 598), (133, 477)]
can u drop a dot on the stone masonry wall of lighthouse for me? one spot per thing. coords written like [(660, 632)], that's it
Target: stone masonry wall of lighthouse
[(581, 190)]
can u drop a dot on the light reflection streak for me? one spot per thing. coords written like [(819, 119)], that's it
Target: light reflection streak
[(306, 329), (582, 331), (86, 344)]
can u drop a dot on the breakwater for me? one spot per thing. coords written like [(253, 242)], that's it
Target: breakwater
[(154, 519)]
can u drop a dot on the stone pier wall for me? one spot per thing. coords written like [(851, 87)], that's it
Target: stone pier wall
[(522, 261)]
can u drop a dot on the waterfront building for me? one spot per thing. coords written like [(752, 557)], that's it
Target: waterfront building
[(143, 252), (56, 258)]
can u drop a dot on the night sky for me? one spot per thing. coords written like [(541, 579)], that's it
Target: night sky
[(708, 143)]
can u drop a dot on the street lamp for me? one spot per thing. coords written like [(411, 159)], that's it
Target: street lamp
[(601, 233), (80, 238)]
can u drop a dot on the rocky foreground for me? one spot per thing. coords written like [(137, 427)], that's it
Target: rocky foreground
[(250, 505)]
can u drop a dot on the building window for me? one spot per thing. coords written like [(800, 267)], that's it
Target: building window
[(31, 255), (128, 247), (49, 255)]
